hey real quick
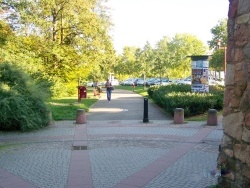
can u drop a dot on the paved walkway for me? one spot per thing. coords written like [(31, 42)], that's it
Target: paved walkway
[(114, 149)]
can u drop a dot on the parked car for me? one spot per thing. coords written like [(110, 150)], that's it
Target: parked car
[(174, 81), (114, 82), (94, 84), (187, 80), (124, 82), (212, 82), (151, 81), (128, 82), (90, 84), (220, 82), (162, 81), (156, 81), (140, 82)]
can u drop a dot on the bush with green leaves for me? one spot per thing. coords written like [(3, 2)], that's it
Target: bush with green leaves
[(180, 96), (22, 105)]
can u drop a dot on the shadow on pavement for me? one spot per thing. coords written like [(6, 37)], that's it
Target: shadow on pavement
[(124, 105)]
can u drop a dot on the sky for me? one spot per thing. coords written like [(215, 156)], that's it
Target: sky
[(138, 21)]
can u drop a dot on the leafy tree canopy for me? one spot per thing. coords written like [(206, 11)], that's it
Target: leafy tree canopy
[(65, 40), (219, 33), (169, 58)]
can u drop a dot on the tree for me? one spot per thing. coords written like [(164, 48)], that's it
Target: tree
[(216, 62), (71, 36), (5, 32), (219, 34), (144, 60), (163, 58), (168, 59), (176, 52), (127, 61)]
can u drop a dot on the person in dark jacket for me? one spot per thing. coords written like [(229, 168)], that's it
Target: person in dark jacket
[(108, 86)]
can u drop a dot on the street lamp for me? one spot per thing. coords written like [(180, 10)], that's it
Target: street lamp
[(225, 54), (159, 67), (110, 76)]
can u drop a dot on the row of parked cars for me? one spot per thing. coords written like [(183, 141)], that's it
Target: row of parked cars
[(114, 82), (131, 81), (154, 81), (148, 82), (165, 81)]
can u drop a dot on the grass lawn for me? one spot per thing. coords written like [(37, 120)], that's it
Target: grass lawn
[(201, 117), (65, 108)]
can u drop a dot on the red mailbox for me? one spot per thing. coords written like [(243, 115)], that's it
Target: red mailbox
[(82, 92)]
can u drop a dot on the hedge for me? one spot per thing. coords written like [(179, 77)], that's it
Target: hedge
[(180, 96)]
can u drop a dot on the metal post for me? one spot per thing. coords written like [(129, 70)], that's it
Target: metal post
[(225, 55), (225, 60), (78, 90), (145, 114), (144, 81)]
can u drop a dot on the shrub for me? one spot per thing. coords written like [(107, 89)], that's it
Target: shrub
[(22, 102), (60, 88), (168, 89), (179, 96)]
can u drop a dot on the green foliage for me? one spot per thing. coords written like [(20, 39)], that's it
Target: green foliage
[(219, 32), (5, 32), (179, 96), (65, 108), (217, 60), (167, 59), (22, 102), (168, 89), (73, 44)]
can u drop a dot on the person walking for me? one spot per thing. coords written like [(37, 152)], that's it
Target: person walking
[(108, 86), (133, 86)]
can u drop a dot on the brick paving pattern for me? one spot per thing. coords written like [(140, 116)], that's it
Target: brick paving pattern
[(112, 153)]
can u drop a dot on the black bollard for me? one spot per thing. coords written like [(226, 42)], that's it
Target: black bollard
[(145, 114)]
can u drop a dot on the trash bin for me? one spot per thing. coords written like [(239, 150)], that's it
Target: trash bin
[(82, 92)]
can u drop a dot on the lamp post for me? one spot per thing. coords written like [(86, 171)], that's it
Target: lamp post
[(225, 54), (144, 80), (159, 66), (144, 74)]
